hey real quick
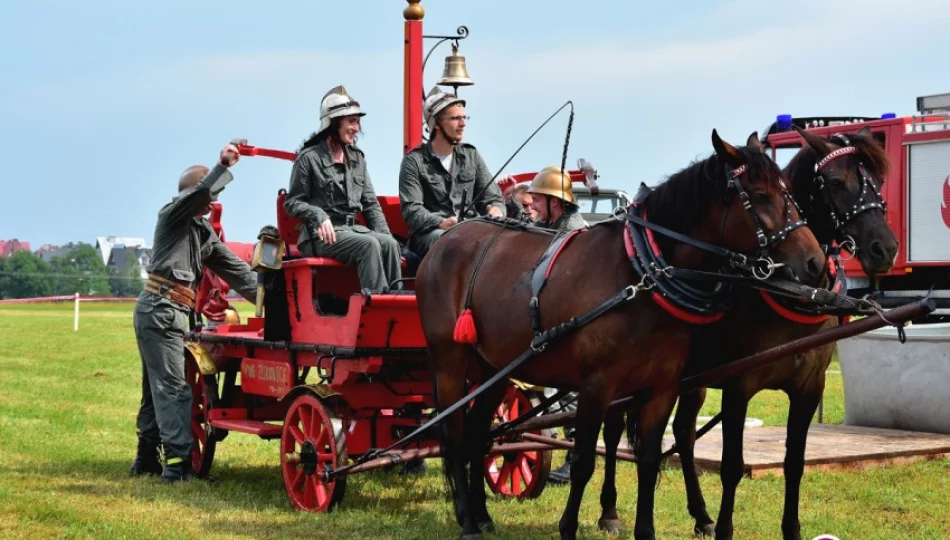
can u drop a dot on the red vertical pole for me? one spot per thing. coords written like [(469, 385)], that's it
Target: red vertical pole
[(413, 92)]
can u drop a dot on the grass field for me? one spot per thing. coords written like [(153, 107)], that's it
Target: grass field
[(67, 437)]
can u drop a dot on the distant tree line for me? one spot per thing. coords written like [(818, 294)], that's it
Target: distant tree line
[(80, 270)]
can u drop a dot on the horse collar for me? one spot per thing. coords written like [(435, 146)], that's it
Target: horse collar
[(684, 300)]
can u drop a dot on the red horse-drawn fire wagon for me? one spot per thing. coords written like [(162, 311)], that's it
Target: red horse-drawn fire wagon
[(331, 371)]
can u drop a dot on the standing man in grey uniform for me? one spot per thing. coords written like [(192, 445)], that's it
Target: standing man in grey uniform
[(184, 242), (439, 179), (329, 184), (556, 207)]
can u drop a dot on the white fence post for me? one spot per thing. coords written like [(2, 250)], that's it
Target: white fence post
[(76, 316)]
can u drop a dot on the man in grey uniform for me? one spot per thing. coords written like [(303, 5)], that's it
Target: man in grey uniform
[(439, 179), (184, 242), (556, 207), (554, 201)]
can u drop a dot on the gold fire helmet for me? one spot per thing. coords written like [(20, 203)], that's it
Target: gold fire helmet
[(552, 182)]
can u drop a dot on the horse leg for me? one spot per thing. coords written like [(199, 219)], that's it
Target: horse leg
[(450, 387), (478, 423), (802, 406), (613, 429), (684, 431), (591, 406), (734, 408), (651, 422)]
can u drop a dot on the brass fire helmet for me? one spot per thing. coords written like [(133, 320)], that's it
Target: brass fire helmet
[(553, 182)]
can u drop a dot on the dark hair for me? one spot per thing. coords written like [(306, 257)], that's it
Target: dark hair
[(333, 132)]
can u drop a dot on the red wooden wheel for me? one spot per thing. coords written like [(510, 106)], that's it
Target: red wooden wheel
[(523, 474), (312, 441), (204, 392)]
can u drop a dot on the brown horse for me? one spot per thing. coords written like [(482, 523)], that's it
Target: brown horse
[(842, 203), (637, 347)]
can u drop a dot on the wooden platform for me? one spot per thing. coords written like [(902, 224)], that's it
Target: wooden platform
[(830, 447)]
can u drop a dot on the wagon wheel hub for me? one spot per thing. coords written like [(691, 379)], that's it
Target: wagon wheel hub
[(308, 457)]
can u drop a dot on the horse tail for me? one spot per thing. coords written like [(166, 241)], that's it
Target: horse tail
[(633, 440), (445, 450)]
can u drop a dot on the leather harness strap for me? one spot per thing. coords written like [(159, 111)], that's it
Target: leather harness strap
[(541, 272), (171, 290)]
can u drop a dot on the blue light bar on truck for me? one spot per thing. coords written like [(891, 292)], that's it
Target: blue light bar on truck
[(887, 115), (783, 122)]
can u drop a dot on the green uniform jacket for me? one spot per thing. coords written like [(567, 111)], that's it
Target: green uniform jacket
[(185, 243), (428, 194), (321, 189)]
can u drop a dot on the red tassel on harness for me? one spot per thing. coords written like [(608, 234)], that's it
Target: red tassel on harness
[(465, 328)]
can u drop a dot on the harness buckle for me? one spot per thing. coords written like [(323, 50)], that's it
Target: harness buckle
[(850, 246), (630, 292), (538, 349), (764, 268)]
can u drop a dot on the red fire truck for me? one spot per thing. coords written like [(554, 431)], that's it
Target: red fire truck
[(917, 192)]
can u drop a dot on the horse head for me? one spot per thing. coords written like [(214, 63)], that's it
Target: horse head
[(757, 214), (838, 181)]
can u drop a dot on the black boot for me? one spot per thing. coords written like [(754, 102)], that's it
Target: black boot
[(176, 470), (562, 475), (415, 467), (146, 459)]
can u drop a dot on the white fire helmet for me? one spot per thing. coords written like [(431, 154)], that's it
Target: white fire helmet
[(435, 102), (337, 103)]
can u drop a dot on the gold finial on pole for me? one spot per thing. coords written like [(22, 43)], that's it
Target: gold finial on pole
[(414, 12)]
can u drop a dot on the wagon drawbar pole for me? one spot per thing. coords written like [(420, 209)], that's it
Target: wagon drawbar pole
[(743, 365)]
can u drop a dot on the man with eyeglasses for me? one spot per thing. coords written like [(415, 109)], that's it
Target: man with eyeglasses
[(518, 204), (438, 180)]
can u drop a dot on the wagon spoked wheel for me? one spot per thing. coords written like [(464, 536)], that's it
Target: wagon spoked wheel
[(312, 441), (204, 394), (522, 475)]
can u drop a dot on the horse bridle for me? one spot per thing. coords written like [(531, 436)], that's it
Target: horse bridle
[(766, 265), (840, 219)]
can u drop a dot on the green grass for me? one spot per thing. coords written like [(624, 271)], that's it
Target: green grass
[(67, 436)]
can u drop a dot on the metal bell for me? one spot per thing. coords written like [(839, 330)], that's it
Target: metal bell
[(455, 74)]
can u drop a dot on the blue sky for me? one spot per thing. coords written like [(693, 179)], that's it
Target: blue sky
[(104, 103)]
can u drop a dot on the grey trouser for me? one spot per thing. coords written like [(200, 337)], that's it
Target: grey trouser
[(565, 404), (165, 412), (375, 255), (421, 243)]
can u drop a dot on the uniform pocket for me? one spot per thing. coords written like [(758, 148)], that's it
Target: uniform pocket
[(145, 306), (183, 275)]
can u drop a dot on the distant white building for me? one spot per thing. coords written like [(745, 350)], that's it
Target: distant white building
[(112, 249)]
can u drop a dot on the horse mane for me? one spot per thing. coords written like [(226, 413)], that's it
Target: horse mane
[(683, 199), (801, 169)]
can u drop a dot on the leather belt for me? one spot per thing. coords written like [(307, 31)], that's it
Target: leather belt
[(348, 220), (166, 288)]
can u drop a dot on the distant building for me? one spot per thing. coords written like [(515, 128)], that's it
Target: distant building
[(48, 251), (112, 249), (9, 247)]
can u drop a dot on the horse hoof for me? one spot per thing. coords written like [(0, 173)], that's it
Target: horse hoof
[(610, 526), (487, 526), (702, 531), (472, 536)]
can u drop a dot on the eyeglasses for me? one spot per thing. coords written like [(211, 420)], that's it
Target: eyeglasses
[(459, 118)]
